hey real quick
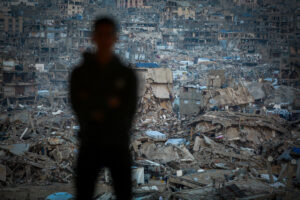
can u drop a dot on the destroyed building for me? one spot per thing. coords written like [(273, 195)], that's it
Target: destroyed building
[(18, 81), (290, 71), (216, 79), (59, 74), (195, 100), (154, 83), (190, 100), (179, 9), (71, 8)]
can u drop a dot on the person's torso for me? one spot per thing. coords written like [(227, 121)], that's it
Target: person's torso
[(106, 89)]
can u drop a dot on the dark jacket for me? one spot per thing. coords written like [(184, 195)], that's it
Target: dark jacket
[(104, 99)]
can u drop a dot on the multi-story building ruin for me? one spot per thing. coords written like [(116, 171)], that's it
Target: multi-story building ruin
[(18, 82)]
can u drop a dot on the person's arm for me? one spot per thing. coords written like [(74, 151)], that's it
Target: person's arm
[(78, 95), (133, 94), (131, 98), (73, 91)]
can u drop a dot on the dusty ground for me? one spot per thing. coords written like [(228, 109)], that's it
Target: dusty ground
[(32, 192), (38, 192)]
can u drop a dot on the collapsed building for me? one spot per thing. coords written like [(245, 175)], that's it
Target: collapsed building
[(195, 100), (155, 84)]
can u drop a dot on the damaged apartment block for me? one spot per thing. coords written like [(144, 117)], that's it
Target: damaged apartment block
[(18, 82)]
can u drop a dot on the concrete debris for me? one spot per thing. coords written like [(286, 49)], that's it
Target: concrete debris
[(16, 149), (176, 141), (105, 196), (39, 147), (226, 97), (156, 135), (232, 148)]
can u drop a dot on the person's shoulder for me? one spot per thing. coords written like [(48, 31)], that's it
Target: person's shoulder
[(129, 69), (130, 72), (77, 70), (124, 67), (81, 67)]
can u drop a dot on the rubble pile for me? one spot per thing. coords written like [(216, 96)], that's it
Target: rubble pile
[(252, 129), (214, 154), (155, 109), (149, 103), (223, 154), (37, 146)]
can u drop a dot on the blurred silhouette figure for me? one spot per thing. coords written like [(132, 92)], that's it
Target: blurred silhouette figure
[(104, 97)]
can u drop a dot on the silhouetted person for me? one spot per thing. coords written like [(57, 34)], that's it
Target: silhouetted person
[(103, 96)]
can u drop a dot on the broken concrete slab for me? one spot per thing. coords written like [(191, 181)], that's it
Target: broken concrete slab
[(16, 149)]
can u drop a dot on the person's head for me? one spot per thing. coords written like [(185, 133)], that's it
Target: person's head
[(105, 34)]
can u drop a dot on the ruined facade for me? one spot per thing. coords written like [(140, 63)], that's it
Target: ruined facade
[(130, 3), (190, 100), (18, 81)]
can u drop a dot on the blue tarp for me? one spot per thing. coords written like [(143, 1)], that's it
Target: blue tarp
[(60, 196), (229, 31), (296, 150), (268, 79), (284, 113), (271, 80), (79, 17), (50, 28), (147, 65)]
